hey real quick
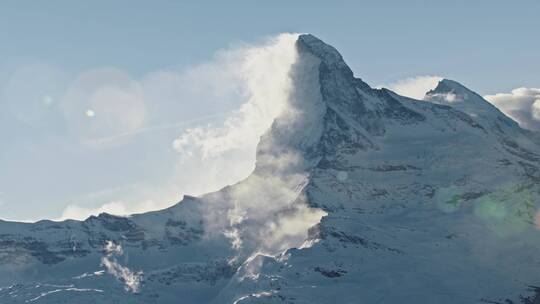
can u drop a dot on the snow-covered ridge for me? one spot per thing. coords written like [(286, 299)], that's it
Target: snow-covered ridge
[(454, 94), (359, 195)]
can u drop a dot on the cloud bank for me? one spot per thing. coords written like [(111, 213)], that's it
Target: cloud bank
[(521, 104)]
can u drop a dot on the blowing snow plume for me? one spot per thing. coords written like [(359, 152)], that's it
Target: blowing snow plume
[(266, 212), (261, 74), (202, 123), (130, 279)]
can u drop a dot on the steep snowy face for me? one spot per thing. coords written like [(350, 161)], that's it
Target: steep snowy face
[(327, 108), (343, 94), (282, 150)]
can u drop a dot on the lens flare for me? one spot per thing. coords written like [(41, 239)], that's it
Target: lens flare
[(90, 113)]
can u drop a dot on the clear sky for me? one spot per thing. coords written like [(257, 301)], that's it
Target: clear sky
[(53, 51)]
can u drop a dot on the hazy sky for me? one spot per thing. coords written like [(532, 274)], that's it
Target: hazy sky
[(94, 93)]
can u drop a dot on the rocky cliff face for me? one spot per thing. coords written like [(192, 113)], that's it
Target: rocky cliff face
[(359, 195)]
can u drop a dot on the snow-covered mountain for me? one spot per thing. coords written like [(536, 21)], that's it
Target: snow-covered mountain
[(359, 196)]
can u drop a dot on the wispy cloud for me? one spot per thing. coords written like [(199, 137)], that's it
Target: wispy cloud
[(414, 87), (121, 208), (217, 148), (261, 75)]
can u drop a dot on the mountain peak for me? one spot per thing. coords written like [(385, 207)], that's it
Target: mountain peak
[(326, 53), (448, 85), (308, 43), (453, 93)]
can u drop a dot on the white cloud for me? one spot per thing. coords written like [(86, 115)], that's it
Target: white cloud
[(291, 229), (521, 104), (121, 208), (414, 87), (262, 77), (444, 97)]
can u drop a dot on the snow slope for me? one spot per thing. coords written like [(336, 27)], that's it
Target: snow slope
[(359, 196)]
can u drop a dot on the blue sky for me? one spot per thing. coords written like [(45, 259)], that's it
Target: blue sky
[(490, 45), (53, 49)]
